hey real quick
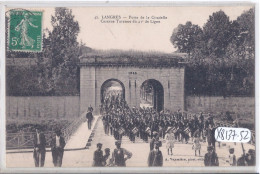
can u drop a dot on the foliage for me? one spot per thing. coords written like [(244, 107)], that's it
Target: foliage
[(184, 37), (56, 72), (218, 32), (16, 78), (221, 61), (59, 74), (15, 126)]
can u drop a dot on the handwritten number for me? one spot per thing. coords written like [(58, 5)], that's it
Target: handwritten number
[(234, 134), (241, 135)]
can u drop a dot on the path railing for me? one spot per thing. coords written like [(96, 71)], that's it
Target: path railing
[(71, 129), (24, 140)]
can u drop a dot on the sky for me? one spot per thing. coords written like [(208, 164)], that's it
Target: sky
[(142, 36)]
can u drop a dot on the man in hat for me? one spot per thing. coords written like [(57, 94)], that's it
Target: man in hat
[(211, 158), (98, 156), (57, 148), (120, 155), (250, 157), (39, 150), (154, 139), (155, 158), (89, 117)]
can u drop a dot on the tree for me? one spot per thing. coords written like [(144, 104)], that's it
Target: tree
[(222, 61), (240, 54), (60, 74), (218, 32), (185, 37)]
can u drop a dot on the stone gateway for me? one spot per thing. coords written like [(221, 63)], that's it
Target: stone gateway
[(132, 70)]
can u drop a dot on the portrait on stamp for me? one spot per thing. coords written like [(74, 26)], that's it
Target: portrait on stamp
[(25, 30)]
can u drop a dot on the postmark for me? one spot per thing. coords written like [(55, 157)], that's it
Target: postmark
[(25, 31)]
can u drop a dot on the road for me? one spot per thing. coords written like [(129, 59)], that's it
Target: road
[(183, 155)]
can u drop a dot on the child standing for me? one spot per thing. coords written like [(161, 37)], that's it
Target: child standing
[(169, 137), (196, 146)]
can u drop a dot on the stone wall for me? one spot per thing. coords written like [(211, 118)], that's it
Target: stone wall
[(48, 107), (220, 104), (92, 78)]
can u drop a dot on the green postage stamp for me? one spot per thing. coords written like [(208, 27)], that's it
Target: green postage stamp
[(25, 31)]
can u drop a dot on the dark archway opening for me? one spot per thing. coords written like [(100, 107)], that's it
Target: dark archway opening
[(152, 95), (112, 90)]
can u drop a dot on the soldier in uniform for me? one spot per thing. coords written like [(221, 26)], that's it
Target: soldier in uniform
[(180, 131), (105, 124), (89, 117), (179, 115), (131, 126), (142, 129), (39, 150), (120, 155)]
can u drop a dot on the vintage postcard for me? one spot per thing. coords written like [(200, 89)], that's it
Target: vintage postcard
[(163, 86)]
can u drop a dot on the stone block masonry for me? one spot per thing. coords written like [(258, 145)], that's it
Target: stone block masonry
[(132, 78)]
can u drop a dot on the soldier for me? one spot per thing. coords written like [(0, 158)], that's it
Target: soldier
[(57, 148), (180, 131), (179, 115), (211, 158), (142, 129), (39, 150), (98, 160), (155, 158), (131, 126), (105, 124), (89, 117), (120, 155)]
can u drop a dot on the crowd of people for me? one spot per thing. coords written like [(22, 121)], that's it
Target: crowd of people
[(149, 125), (119, 119)]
